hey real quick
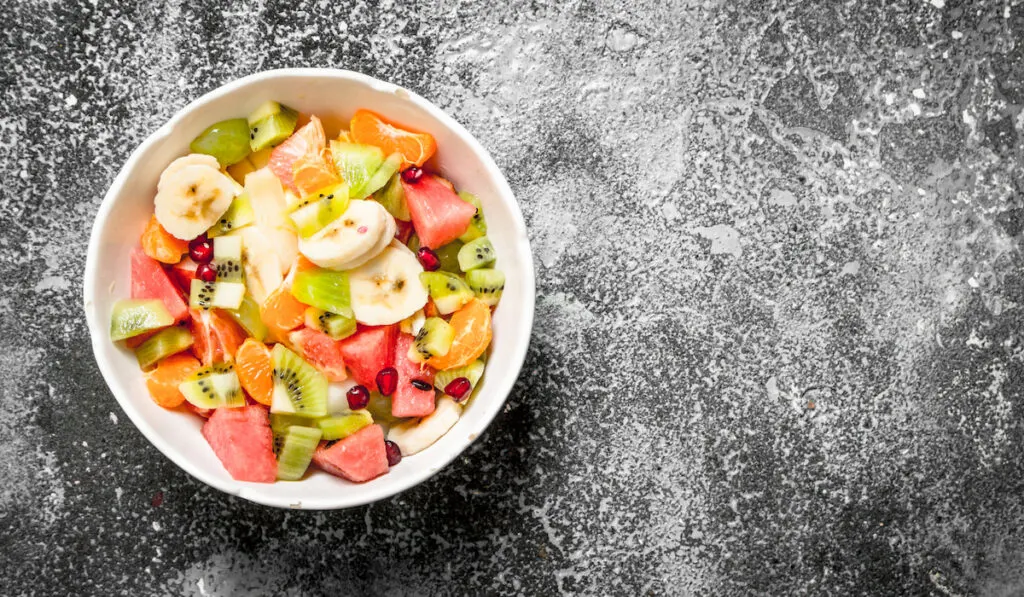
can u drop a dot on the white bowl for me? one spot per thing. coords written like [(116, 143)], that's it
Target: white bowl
[(327, 93)]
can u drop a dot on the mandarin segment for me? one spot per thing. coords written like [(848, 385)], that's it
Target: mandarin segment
[(282, 313), (158, 244), (255, 371), (369, 128), (472, 325), (163, 381)]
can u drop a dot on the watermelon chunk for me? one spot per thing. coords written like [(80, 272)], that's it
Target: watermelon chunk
[(358, 458), (150, 281), (438, 214), (321, 351), (242, 440), (409, 401), (183, 273), (368, 351)]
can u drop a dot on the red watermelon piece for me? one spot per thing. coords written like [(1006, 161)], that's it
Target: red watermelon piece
[(408, 401), (183, 273), (358, 458), (368, 351), (321, 351), (438, 214), (150, 281), (242, 440)]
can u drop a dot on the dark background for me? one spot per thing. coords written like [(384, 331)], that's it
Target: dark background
[(777, 347)]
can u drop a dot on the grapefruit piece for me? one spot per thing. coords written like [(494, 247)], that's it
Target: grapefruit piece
[(472, 325), (242, 440), (309, 139), (438, 215), (150, 281), (163, 381), (255, 371), (370, 129), (216, 337), (408, 400), (312, 172), (368, 351), (321, 351), (159, 244), (358, 458)]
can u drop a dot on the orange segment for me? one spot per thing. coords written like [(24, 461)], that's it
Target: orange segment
[(416, 148), (254, 369), (312, 172), (282, 313), (158, 244), (472, 324), (163, 381)]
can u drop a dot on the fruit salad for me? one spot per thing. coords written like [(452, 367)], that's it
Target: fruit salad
[(319, 299)]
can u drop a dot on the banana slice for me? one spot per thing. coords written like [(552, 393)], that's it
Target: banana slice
[(416, 436), (387, 288), (270, 206), (192, 197), (192, 159), (385, 240), (348, 238), (262, 265)]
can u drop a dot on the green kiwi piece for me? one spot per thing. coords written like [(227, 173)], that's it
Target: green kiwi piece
[(473, 372), (296, 452), (384, 173), (448, 255), (270, 124), (414, 243), (474, 254), (221, 295), (342, 426), (392, 197), (477, 226), (487, 284), (433, 340), (448, 291), (357, 164), (320, 209), (324, 289), (227, 258), (239, 215), (227, 140), (162, 345), (131, 317), (248, 316), (214, 387), (380, 409), (334, 325), (298, 387)]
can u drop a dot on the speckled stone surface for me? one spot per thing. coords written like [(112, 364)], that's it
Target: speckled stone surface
[(780, 295)]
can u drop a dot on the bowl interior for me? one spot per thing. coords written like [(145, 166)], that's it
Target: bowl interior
[(334, 96)]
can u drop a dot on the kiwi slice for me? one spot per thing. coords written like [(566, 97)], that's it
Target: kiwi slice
[(296, 452), (299, 388), (380, 409), (334, 325), (384, 173), (487, 284), (474, 254), (477, 226), (342, 426), (239, 215), (318, 210), (414, 243), (270, 124), (165, 343), (392, 197), (324, 289), (433, 340), (248, 316), (131, 317), (448, 255), (227, 140), (222, 295), (214, 387), (473, 372), (227, 258), (448, 291), (356, 163)]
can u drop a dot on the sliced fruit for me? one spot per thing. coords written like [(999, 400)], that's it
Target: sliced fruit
[(434, 339), (299, 388), (486, 284), (416, 148), (320, 209), (386, 289), (380, 408), (473, 372), (476, 254), (163, 381), (131, 317), (270, 124), (415, 436), (349, 241), (162, 345), (337, 397), (192, 197), (240, 170), (248, 316), (340, 427), (243, 442), (356, 163), (297, 448), (150, 281), (472, 324), (392, 197), (215, 386), (272, 228), (319, 350), (413, 324), (358, 458), (227, 140), (309, 139), (477, 225), (323, 289), (222, 295), (386, 172), (334, 325), (160, 245), (281, 313), (447, 291), (368, 351), (312, 172), (261, 264), (216, 336), (414, 396), (448, 255), (255, 371), (227, 258), (438, 214), (239, 215)]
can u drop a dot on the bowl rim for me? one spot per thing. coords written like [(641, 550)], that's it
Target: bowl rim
[(521, 335)]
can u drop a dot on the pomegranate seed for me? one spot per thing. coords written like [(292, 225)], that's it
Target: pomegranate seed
[(428, 259), (393, 451), (421, 385), (201, 252), (206, 272), (412, 175), (387, 381), (202, 238), (459, 389), (358, 397)]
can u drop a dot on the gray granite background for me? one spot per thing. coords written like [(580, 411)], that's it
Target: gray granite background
[(778, 345)]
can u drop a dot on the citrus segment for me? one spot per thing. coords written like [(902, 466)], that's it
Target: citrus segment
[(255, 371), (160, 245), (416, 148), (163, 381), (472, 325)]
